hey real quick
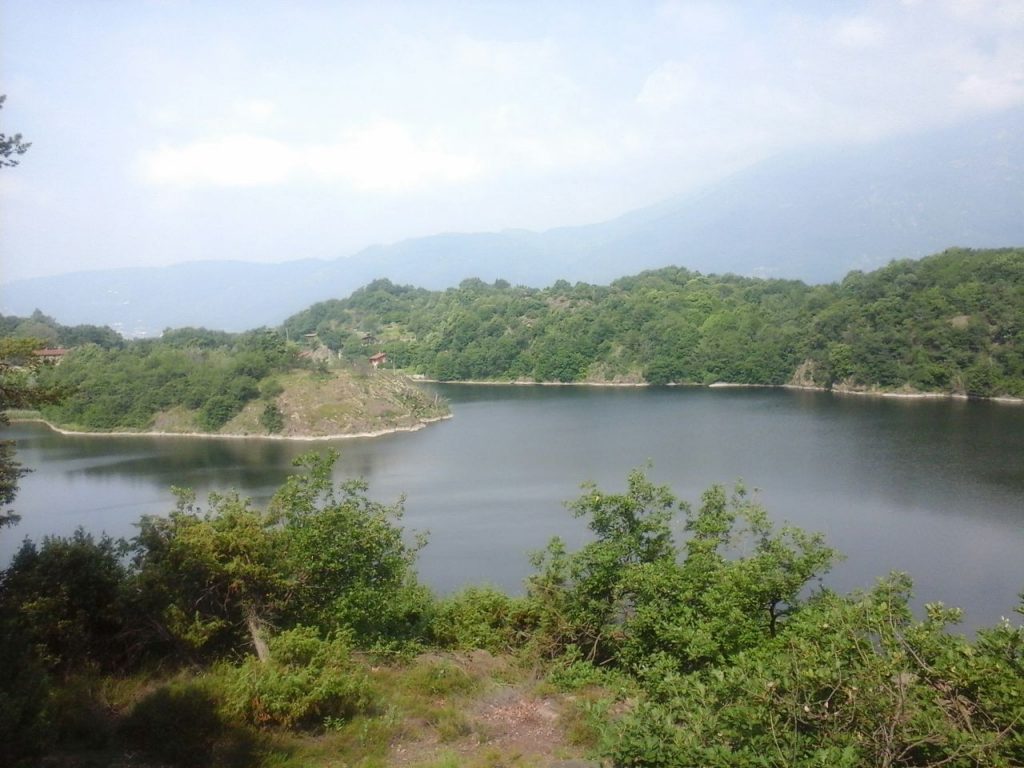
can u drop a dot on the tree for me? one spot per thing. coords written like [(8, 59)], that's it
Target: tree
[(580, 595), (351, 566), (18, 389), (67, 597), (13, 391), (217, 581), (849, 681), (632, 595), (11, 145), (210, 580)]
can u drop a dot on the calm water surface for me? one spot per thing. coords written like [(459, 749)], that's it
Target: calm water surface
[(933, 488)]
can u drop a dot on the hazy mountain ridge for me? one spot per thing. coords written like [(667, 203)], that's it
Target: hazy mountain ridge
[(812, 216)]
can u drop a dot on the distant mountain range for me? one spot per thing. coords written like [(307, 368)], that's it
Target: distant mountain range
[(812, 216)]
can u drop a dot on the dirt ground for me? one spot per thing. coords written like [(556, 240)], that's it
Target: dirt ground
[(506, 725)]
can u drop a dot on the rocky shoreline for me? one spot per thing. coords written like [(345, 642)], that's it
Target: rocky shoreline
[(217, 436)]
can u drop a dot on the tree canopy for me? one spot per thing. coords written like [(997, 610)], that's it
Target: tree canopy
[(946, 323), (11, 146)]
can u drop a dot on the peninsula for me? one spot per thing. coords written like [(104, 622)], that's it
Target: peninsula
[(198, 382)]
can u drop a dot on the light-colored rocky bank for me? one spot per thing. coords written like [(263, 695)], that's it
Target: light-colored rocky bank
[(237, 436)]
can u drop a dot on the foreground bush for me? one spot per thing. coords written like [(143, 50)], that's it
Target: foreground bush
[(480, 617), (67, 598), (307, 683), (322, 555), (632, 593), (850, 682)]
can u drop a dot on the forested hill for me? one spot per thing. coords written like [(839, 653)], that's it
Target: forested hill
[(953, 322), (194, 380)]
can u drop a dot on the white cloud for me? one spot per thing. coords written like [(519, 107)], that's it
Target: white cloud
[(238, 160), (697, 18), (860, 32), (669, 84), (991, 92), (380, 156), (1001, 12), (508, 58), (255, 110), (384, 156)]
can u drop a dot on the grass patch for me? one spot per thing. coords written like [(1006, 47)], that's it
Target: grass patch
[(432, 710)]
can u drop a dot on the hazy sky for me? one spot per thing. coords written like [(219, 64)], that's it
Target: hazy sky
[(169, 131)]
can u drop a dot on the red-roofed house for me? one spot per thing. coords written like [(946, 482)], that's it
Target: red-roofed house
[(51, 355)]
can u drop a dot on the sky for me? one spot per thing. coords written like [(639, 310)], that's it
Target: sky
[(166, 131)]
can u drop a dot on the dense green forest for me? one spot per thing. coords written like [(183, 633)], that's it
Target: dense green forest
[(298, 635), (198, 380), (947, 323), (211, 373)]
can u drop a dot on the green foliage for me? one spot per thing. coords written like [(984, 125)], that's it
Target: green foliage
[(68, 599), (49, 332), (439, 678), (306, 683), (11, 146), (948, 323), (272, 418), (210, 580), (580, 597), (849, 681), (480, 617), (714, 651), (19, 388), (210, 373), (737, 583), (322, 555), (24, 691), (78, 713), (572, 672), (347, 557), (629, 599)]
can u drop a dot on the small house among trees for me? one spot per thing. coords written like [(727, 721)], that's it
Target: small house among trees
[(378, 359), (51, 354)]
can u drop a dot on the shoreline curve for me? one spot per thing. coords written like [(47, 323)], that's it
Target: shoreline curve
[(422, 424), (896, 395)]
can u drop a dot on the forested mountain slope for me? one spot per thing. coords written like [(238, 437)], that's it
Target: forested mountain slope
[(946, 323)]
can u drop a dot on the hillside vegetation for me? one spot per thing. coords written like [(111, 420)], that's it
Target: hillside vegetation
[(299, 635), (193, 380), (947, 323)]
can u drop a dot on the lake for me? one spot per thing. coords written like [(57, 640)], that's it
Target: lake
[(931, 487)]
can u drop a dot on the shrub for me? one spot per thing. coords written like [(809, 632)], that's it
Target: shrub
[(272, 418), (67, 596), (306, 682), (848, 682), (348, 557), (479, 617), (78, 713)]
